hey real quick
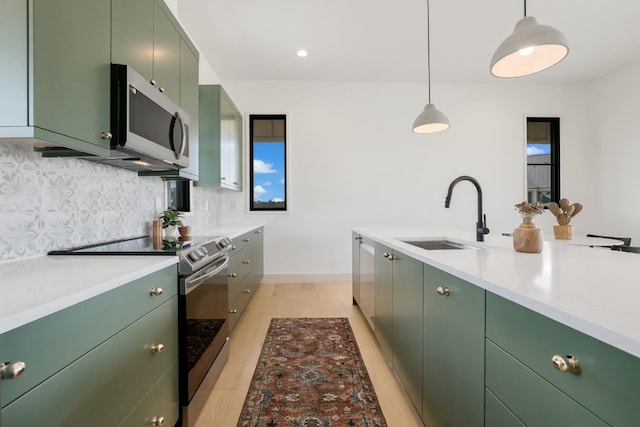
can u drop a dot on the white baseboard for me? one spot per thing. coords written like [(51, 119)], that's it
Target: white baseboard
[(307, 278)]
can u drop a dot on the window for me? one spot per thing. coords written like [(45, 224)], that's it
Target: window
[(543, 159), (179, 194), (268, 162)]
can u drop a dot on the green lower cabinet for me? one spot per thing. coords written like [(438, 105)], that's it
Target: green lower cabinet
[(103, 386), (453, 352), (408, 325), (608, 382), (383, 299), (535, 401), (154, 407), (498, 415)]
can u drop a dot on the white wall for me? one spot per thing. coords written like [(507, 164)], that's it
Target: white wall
[(355, 162), (615, 115)]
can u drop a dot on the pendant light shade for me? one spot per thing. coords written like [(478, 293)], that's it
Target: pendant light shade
[(431, 119), (531, 48)]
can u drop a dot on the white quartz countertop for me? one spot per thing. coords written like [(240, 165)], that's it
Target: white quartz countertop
[(591, 289), (33, 288), (36, 287)]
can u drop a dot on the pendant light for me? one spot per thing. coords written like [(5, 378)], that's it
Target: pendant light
[(531, 48), (431, 119)]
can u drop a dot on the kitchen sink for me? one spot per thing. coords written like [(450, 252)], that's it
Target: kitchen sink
[(433, 245)]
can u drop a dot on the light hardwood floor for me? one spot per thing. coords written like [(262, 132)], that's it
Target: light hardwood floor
[(299, 300)]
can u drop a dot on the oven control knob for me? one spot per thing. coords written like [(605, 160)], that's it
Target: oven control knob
[(205, 251), (194, 256)]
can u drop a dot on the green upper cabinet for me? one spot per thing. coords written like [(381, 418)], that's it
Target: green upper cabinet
[(453, 355), (68, 101), (132, 35), (166, 52), (220, 140), (145, 38)]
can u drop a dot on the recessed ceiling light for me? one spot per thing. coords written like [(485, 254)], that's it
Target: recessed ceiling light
[(302, 53)]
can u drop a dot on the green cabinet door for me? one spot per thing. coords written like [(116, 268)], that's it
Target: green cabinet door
[(71, 45), (383, 299), (453, 352), (132, 35), (166, 52), (408, 325)]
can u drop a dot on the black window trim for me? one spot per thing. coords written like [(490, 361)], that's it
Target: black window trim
[(253, 117), (554, 138)]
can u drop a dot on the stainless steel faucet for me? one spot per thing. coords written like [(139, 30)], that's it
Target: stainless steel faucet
[(481, 224)]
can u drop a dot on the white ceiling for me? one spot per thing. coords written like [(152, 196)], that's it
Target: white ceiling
[(385, 40)]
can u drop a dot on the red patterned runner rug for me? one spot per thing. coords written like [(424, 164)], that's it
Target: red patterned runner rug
[(310, 373)]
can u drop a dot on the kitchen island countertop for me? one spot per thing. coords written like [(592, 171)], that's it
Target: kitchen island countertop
[(591, 289)]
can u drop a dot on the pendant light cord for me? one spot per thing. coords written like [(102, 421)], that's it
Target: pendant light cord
[(525, 8), (429, 54)]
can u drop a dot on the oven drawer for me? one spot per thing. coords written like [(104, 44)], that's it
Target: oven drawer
[(51, 343), (104, 385)]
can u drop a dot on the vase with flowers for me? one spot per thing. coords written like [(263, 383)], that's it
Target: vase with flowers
[(527, 237)]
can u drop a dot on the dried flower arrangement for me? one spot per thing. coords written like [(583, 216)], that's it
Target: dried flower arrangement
[(529, 210)]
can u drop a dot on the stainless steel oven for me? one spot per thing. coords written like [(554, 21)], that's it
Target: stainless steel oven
[(204, 334)]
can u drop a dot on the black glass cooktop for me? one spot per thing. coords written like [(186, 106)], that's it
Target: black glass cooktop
[(141, 245)]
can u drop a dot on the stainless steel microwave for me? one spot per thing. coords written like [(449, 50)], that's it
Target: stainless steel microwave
[(148, 130)]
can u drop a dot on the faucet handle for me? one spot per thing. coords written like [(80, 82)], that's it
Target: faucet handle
[(484, 228)]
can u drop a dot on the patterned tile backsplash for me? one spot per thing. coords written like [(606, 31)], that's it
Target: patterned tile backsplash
[(54, 203)]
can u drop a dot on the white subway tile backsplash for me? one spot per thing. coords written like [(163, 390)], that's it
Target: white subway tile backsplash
[(53, 203)]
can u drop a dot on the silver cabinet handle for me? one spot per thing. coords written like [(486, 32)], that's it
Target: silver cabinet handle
[(246, 239), (106, 135), (157, 348), (233, 275), (386, 254), (247, 291), (153, 82), (258, 231), (246, 261), (156, 292), (233, 311), (11, 370), (443, 291), (568, 364), (161, 89), (157, 421)]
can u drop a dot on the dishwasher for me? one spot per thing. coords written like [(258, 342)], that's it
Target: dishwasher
[(366, 297)]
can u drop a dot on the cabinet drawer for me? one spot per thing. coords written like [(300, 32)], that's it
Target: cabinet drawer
[(51, 343), (104, 385), (608, 381), (241, 242), (161, 401), (237, 302), (238, 268), (496, 414), (530, 397)]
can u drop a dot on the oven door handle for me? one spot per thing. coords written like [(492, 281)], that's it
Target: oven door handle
[(199, 278)]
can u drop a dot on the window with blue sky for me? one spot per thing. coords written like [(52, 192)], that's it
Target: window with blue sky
[(268, 162)]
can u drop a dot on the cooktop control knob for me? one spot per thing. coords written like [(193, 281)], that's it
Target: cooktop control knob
[(194, 256)]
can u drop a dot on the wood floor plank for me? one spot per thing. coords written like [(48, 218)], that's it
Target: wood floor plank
[(299, 300)]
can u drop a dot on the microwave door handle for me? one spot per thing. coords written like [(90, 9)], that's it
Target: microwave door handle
[(183, 135)]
